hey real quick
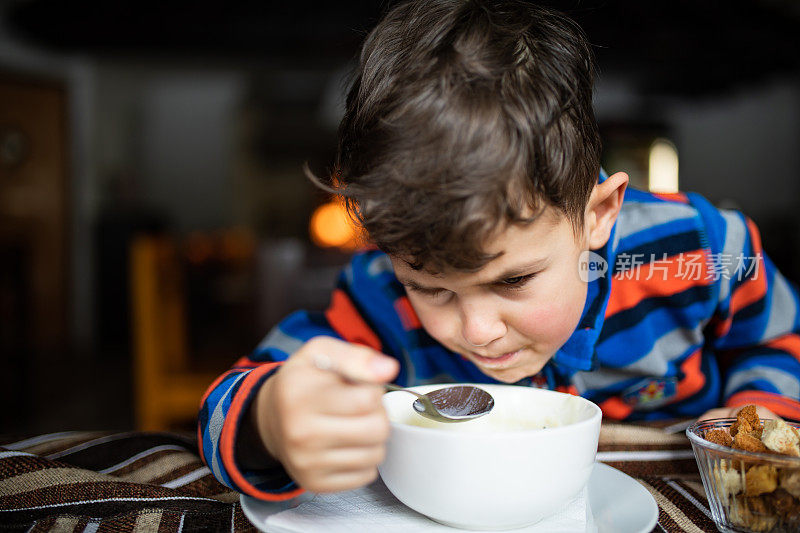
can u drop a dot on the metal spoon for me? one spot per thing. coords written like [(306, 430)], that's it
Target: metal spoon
[(458, 403)]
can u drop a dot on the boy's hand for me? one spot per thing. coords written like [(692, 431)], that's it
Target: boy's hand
[(730, 412), (328, 433)]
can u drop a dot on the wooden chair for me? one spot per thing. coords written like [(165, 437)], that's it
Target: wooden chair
[(166, 390)]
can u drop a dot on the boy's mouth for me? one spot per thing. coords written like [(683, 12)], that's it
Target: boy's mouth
[(500, 361)]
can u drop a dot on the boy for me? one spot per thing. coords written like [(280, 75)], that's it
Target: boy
[(469, 153)]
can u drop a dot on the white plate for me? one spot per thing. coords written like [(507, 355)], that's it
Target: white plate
[(618, 502)]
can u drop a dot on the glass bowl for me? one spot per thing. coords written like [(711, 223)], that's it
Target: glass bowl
[(747, 491)]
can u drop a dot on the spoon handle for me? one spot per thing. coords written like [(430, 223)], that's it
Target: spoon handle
[(395, 388)]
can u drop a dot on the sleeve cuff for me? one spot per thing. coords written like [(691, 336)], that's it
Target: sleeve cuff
[(271, 485), (782, 406)]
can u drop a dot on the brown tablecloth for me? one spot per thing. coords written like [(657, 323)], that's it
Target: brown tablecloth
[(100, 481)]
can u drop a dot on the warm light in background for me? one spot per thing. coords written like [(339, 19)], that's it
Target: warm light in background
[(663, 168), (330, 226)]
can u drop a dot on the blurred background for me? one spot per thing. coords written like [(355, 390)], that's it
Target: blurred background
[(155, 222)]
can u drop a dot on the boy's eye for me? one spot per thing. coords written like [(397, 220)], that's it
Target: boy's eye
[(432, 294), (425, 291), (517, 281), (429, 292)]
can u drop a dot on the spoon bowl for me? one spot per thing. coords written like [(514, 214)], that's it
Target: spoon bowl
[(458, 403)]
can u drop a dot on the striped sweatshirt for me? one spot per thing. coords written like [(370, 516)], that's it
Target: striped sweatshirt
[(689, 315)]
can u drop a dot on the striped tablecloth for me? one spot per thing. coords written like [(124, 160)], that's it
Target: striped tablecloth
[(100, 481)]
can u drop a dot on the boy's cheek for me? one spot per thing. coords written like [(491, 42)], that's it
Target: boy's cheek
[(556, 321), (547, 327), (436, 324)]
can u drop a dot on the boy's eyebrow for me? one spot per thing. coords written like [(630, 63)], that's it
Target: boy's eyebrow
[(512, 272)]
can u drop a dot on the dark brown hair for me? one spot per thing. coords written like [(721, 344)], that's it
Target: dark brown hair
[(465, 116)]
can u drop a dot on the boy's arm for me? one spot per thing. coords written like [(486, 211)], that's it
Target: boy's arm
[(227, 442), (755, 329)]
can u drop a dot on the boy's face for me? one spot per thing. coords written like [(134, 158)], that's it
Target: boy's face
[(510, 317)]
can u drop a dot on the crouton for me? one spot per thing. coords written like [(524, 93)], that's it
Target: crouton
[(779, 437), (748, 442), (719, 436), (760, 479), (790, 481)]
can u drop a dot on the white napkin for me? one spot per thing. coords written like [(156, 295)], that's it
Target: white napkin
[(373, 508)]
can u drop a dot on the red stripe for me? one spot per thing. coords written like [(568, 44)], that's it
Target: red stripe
[(693, 377), (343, 317), (227, 444), (407, 314), (723, 326), (777, 403), (672, 196), (788, 343), (615, 408), (627, 293), (751, 290), (245, 363), (568, 389)]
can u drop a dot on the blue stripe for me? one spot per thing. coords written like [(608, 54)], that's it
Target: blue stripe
[(682, 232), (770, 358), (653, 317), (757, 384)]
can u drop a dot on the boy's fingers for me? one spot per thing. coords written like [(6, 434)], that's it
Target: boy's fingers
[(359, 363), (353, 458), (351, 400), (343, 481), (344, 432)]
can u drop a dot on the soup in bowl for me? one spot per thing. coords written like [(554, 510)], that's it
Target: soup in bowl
[(518, 464)]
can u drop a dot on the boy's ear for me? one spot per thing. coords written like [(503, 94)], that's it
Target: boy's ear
[(603, 208)]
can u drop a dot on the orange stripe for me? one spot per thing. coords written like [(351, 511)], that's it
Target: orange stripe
[(615, 408), (693, 378), (407, 314), (246, 362), (226, 440), (343, 317), (777, 403), (789, 343), (755, 236), (626, 293), (568, 389), (724, 327), (751, 290), (672, 196)]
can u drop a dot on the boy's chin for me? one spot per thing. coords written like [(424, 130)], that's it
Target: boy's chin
[(508, 375)]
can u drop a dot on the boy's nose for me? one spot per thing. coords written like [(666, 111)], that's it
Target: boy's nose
[(477, 345), (481, 326)]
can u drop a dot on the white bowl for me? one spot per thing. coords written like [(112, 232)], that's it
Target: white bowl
[(511, 468)]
